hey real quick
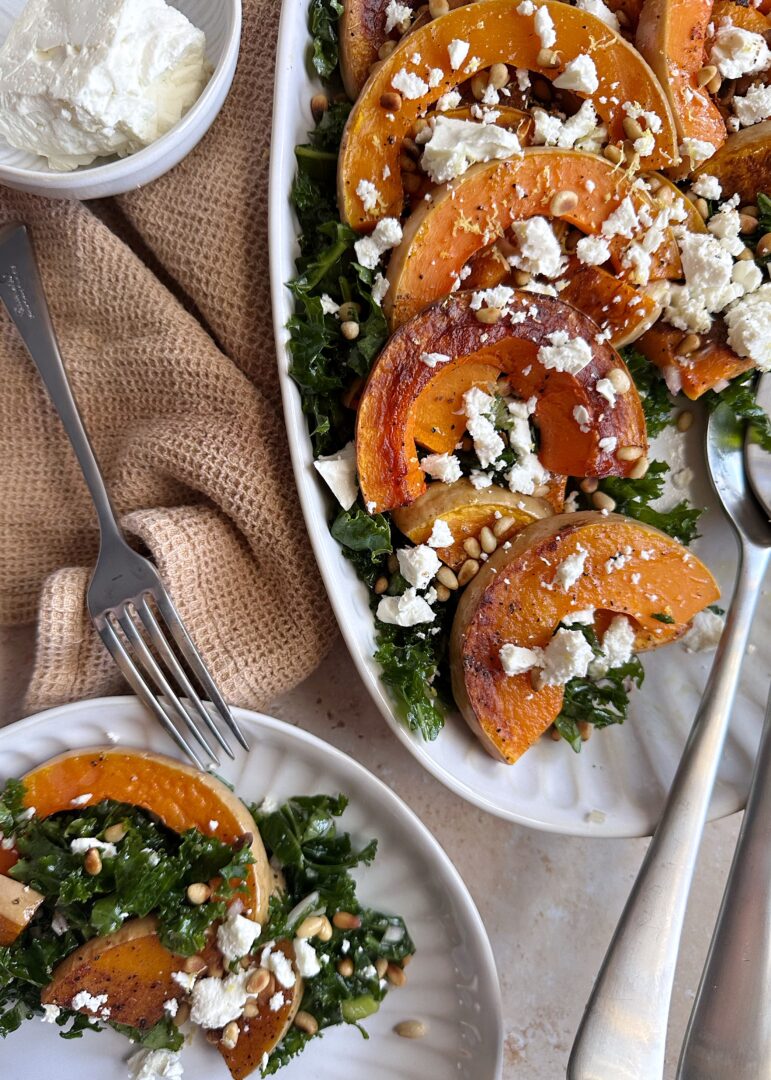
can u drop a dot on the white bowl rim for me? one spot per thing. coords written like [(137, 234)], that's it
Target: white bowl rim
[(148, 155)]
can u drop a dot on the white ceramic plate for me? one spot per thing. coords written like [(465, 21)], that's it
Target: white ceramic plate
[(623, 772), (220, 20), (452, 983)]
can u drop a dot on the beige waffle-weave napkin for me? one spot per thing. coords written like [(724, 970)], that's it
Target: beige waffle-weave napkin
[(161, 304)]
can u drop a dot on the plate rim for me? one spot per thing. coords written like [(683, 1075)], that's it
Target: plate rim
[(472, 919)]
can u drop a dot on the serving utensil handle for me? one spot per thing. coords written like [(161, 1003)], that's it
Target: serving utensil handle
[(622, 1035), (21, 290), (729, 1033)]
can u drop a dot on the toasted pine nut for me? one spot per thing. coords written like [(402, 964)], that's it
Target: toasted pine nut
[(764, 244), (182, 1015), (447, 577), (547, 58), (437, 8), (319, 105), (411, 1029), (380, 587), (472, 547), (311, 924), (715, 83), (554, 734), (498, 76), (747, 224), (198, 893), (589, 485), (706, 74), (386, 49), (488, 315), (346, 920), (684, 420), (688, 344), (407, 163), (632, 128), (92, 863), (615, 155), (381, 966), (750, 211), (350, 330), (348, 311), (212, 1036), (305, 1022), (629, 453), (258, 982), (478, 86), (216, 970), (115, 833), (395, 975), (411, 183), (602, 501), (702, 206), (563, 203), (521, 278), (391, 101), (250, 1010), (542, 491), (619, 380), (487, 540), (744, 255), (345, 967), (502, 526), (585, 730), (442, 593), (469, 570), (193, 965), (640, 469), (230, 1035), (325, 933)]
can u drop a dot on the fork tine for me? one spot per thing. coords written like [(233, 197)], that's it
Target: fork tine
[(191, 654), (145, 613), (152, 669), (117, 651)]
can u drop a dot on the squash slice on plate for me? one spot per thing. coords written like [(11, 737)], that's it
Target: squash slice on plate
[(743, 163), (712, 363), (506, 603), (18, 904), (496, 32), (387, 461)]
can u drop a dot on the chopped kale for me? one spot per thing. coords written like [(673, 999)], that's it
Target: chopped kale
[(656, 402), (662, 616), (322, 23), (740, 398), (633, 498), (409, 658), (365, 540)]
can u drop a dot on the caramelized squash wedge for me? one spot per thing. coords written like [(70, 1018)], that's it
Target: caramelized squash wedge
[(181, 796), (441, 236), (506, 603), (466, 512), (362, 30), (745, 16), (389, 471), (671, 35), (496, 31), (743, 162), (618, 308), (18, 903), (712, 363), (129, 969)]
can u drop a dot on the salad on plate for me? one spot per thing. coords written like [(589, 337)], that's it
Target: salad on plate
[(533, 247)]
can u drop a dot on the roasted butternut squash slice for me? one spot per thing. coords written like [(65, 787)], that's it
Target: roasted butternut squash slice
[(712, 363), (129, 970), (181, 796), (506, 603), (466, 511), (18, 903), (745, 16), (671, 36), (495, 31), (387, 461), (261, 1034), (441, 236), (617, 307), (743, 162), (362, 30)]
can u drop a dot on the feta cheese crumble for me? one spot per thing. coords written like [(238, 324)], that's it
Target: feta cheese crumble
[(516, 660), (236, 935), (736, 52), (50, 1014), (409, 84), (444, 467), (368, 194), (488, 444), (155, 1065), (539, 249), (704, 632), (593, 250), (409, 609), (339, 473), (457, 51), (565, 353), (571, 568), (749, 327), (441, 535), (305, 958), (544, 27), (754, 106), (431, 359), (601, 11), (215, 1002), (418, 565), (397, 15), (85, 843), (454, 145), (579, 75), (370, 249), (707, 186)]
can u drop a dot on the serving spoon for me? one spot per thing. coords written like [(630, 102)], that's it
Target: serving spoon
[(622, 1035)]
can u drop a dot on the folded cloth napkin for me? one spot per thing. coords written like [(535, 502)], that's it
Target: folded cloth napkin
[(161, 304)]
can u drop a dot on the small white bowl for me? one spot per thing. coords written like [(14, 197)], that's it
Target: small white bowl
[(220, 21)]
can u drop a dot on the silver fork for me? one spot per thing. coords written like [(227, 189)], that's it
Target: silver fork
[(623, 1032), (125, 587)]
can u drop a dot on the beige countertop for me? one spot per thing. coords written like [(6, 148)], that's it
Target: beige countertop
[(550, 903)]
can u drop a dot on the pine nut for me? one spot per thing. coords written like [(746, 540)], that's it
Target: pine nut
[(629, 453), (319, 105), (182, 1015), (391, 101), (747, 224), (640, 469), (469, 570), (623, 18), (554, 734), (589, 485), (411, 147), (437, 8), (542, 491), (447, 577), (488, 315), (478, 86), (498, 76), (216, 970), (386, 49), (345, 967), (212, 1036), (764, 244), (380, 587), (305, 1022), (715, 83), (706, 74), (615, 155), (325, 933), (502, 526), (115, 833), (350, 330), (198, 893), (750, 211), (702, 206), (521, 278), (547, 58), (92, 863), (442, 593), (311, 924), (619, 380), (230, 1035), (381, 966), (258, 982), (563, 203), (393, 566), (407, 164), (193, 965), (684, 420), (688, 344), (346, 920), (584, 730), (602, 501), (472, 547), (349, 310), (743, 256), (395, 975), (632, 128), (411, 183), (411, 1029), (250, 1010), (487, 540)]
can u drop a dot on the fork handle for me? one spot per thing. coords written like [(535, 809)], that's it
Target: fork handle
[(623, 1032), (729, 1033), (21, 290)]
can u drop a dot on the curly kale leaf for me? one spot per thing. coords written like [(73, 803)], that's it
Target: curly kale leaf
[(656, 402), (322, 21), (633, 498), (740, 398)]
